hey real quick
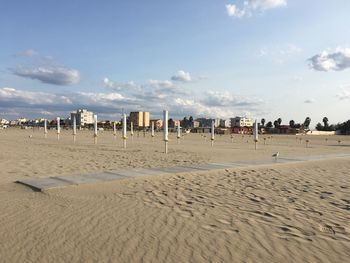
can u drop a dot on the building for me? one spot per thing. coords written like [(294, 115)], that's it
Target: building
[(242, 130), (146, 119), (4, 122), (22, 120), (217, 123), (204, 122), (195, 124), (158, 123), (140, 119), (241, 122), (225, 123), (173, 123), (83, 117)]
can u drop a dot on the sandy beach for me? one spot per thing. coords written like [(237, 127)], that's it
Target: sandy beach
[(281, 212)]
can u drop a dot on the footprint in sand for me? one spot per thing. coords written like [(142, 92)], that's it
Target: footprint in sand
[(327, 229), (325, 194), (223, 221)]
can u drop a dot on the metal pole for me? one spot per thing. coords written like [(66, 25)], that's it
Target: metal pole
[(124, 130), (212, 133), (58, 128), (95, 129), (165, 128), (45, 128), (255, 133)]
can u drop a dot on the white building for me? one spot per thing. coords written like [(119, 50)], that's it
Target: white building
[(225, 123), (22, 120), (83, 117), (241, 122), (4, 122)]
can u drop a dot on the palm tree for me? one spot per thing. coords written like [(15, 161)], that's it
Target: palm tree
[(291, 123), (307, 123), (263, 122), (325, 121), (279, 120), (269, 124), (275, 123)]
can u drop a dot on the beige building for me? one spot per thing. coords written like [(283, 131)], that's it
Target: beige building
[(140, 118), (241, 122), (83, 117), (146, 120)]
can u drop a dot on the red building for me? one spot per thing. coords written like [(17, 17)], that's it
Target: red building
[(242, 130)]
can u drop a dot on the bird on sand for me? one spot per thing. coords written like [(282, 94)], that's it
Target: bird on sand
[(276, 155)]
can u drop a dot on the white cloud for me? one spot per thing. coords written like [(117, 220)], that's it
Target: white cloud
[(46, 112), (344, 94), (251, 6), (26, 53), (182, 76), (198, 109), (56, 75), (226, 99), (232, 10), (266, 4), (328, 61), (160, 83), (31, 97), (119, 86)]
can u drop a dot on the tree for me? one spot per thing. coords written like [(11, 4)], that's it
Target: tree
[(307, 123), (292, 123), (343, 127), (319, 127), (275, 123), (263, 122), (279, 120), (269, 124), (325, 121)]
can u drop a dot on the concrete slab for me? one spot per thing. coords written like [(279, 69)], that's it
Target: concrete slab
[(78, 179), (227, 165), (39, 184), (149, 171), (253, 163), (174, 169), (135, 172), (104, 176), (208, 167)]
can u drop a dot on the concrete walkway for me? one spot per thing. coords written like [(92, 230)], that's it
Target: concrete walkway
[(40, 184)]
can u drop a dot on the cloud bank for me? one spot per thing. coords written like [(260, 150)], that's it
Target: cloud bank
[(178, 102), (52, 74)]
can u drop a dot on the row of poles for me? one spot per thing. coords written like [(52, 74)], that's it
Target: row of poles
[(124, 130)]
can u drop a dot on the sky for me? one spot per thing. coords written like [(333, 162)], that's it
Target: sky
[(269, 59)]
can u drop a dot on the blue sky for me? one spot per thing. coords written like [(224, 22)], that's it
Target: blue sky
[(262, 58)]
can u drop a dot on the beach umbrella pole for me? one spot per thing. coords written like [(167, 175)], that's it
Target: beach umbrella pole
[(165, 128), (124, 131), (95, 129), (212, 133), (58, 128), (45, 128)]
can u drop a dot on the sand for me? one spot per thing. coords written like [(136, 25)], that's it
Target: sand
[(284, 212)]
